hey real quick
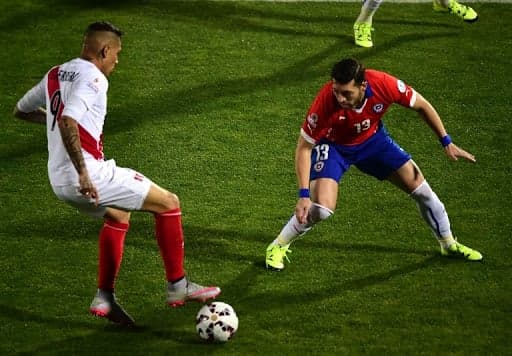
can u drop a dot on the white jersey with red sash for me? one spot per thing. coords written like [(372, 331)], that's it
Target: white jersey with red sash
[(77, 89)]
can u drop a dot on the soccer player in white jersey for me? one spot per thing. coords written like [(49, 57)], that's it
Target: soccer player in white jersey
[(75, 97), (363, 25)]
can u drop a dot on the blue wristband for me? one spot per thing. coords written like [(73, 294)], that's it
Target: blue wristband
[(446, 140), (304, 193)]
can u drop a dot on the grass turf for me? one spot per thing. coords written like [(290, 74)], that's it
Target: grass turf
[(207, 101)]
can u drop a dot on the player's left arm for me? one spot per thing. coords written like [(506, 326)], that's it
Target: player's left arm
[(431, 117), (29, 107), (37, 116)]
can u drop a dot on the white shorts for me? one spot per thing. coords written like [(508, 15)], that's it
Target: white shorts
[(117, 187)]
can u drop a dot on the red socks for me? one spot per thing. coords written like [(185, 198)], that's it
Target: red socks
[(169, 235), (111, 243)]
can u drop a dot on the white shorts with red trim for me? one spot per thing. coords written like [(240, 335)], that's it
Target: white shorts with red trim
[(117, 187)]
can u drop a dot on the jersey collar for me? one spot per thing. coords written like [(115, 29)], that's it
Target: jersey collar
[(368, 93)]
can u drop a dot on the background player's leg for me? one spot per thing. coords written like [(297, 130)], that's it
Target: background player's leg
[(363, 24), (466, 13)]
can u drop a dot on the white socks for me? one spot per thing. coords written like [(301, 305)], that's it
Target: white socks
[(433, 212), (294, 229), (431, 209), (367, 10)]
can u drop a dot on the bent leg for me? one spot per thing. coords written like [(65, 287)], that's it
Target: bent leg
[(410, 179), (160, 200), (168, 230), (323, 192)]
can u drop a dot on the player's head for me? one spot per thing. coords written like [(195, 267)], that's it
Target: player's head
[(348, 83), (102, 44)]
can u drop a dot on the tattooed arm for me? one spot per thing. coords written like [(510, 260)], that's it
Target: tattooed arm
[(71, 139)]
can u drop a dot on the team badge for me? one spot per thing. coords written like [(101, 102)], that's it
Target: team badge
[(93, 86), (378, 107), (401, 86), (318, 166), (312, 120)]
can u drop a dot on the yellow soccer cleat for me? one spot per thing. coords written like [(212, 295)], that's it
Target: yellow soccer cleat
[(465, 12), (459, 250), (275, 256), (363, 34)]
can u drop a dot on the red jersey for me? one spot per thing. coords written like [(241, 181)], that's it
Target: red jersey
[(327, 119)]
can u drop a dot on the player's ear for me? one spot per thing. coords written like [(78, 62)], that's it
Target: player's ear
[(104, 51)]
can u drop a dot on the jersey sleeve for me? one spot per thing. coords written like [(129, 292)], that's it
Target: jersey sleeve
[(316, 124), (398, 91), (34, 98), (83, 95)]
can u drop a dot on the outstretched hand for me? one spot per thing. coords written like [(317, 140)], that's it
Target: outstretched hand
[(454, 152)]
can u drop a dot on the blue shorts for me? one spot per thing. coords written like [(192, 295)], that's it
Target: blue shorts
[(379, 157)]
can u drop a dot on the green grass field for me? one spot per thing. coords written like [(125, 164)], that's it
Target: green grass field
[(207, 101)]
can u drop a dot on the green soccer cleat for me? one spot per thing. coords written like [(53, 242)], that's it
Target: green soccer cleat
[(463, 11), (459, 250), (363, 34), (275, 256)]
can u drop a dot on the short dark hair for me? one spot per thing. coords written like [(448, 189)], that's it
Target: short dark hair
[(103, 26), (347, 69)]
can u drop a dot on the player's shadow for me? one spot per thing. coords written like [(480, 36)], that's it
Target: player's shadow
[(246, 290), (157, 328), (229, 16)]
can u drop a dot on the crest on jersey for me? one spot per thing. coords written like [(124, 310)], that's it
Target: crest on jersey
[(401, 86), (318, 166), (312, 120), (93, 86), (378, 107)]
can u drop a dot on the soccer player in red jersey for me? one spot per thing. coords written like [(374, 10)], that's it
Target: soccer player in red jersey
[(343, 127), (75, 96)]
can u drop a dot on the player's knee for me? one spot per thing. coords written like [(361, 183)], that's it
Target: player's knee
[(170, 201), (117, 215), (318, 212), (422, 192)]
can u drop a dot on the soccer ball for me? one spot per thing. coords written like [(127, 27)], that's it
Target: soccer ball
[(216, 321)]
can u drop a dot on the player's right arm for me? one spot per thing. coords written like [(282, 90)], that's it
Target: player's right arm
[(302, 170), (313, 129), (71, 138)]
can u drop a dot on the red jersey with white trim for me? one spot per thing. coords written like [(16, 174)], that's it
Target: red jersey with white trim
[(326, 119), (77, 89)]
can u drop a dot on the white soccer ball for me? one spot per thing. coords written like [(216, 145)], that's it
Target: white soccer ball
[(216, 321)]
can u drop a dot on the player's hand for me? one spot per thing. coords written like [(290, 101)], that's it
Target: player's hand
[(454, 152), (88, 189), (302, 210)]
